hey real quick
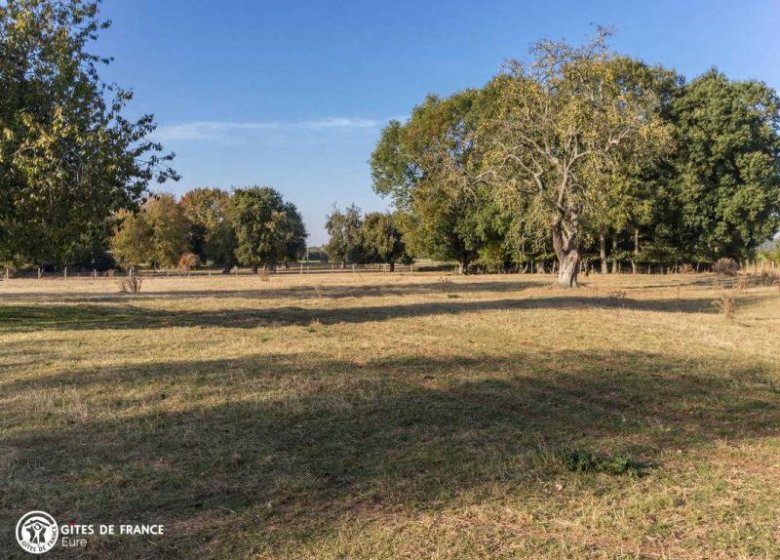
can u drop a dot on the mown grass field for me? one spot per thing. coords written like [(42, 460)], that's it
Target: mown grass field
[(394, 416)]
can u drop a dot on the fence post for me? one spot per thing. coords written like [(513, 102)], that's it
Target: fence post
[(66, 273)]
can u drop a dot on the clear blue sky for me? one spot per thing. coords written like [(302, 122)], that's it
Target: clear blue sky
[(294, 94)]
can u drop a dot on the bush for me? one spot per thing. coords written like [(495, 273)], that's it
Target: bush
[(726, 266), (577, 460), (131, 284), (188, 261), (726, 304)]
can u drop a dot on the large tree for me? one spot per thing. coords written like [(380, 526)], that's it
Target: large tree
[(563, 123), (68, 157), (268, 229), (726, 187), (430, 167)]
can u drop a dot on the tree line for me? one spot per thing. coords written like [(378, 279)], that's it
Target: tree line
[(253, 227), (585, 157), (579, 156), (373, 238)]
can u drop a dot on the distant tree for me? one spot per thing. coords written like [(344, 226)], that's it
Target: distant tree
[(727, 168), (156, 235), (317, 254), (770, 251), (346, 236), (132, 238), (295, 244), (169, 231), (208, 214), (382, 238), (268, 230), (69, 159)]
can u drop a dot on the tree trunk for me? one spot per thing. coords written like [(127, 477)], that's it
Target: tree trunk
[(615, 263), (462, 266), (603, 254), (254, 269), (565, 230), (392, 266), (343, 264), (569, 268)]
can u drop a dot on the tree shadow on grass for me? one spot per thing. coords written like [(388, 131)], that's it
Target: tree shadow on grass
[(213, 450), (16, 318), (312, 291)]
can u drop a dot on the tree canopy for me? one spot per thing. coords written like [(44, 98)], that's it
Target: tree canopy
[(69, 158), (268, 230), (585, 154)]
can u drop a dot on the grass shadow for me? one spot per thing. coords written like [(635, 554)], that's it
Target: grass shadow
[(18, 318), (409, 433)]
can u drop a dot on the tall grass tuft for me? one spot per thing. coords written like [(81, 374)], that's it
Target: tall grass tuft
[(726, 304), (130, 284)]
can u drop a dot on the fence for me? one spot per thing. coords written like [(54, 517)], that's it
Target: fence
[(751, 267), (298, 268)]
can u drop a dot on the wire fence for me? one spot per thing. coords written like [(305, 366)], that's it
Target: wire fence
[(292, 269), (747, 267)]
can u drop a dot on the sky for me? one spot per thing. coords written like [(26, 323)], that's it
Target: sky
[(295, 94)]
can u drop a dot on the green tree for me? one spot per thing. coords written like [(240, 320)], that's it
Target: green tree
[(295, 244), (562, 123), (132, 238), (268, 229), (430, 167), (382, 238), (156, 235), (69, 159), (169, 231), (346, 235), (770, 251), (727, 169), (211, 234)]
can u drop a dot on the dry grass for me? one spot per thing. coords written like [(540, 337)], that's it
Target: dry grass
[(376, 416)]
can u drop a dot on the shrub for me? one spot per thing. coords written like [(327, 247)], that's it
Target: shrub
[(765, 278), (130, 284), (726, 305), (578, 460), (188, 261), (725, 266), (742, 284), (445, 284)]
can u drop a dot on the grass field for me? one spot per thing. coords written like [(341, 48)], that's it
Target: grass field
[(394, 416)]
